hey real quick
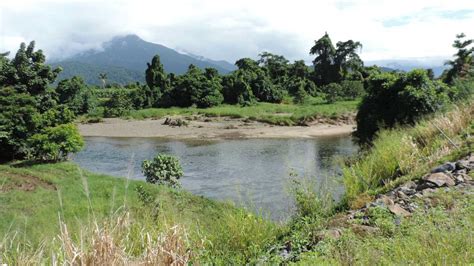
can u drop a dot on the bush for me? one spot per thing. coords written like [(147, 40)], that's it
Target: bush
[(119, 104), (333, 92), (398, 99), (55, 143), (163, 169)]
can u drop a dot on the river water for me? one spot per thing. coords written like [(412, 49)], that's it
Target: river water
[(251, 172)]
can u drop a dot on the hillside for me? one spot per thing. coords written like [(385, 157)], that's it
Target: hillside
[(124, 60)]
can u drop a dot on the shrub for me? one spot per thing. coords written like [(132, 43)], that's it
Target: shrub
[(333, 92), (163, 169), (119, 104), (398, 99), (55, 143)]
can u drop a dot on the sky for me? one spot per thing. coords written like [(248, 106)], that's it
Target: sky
[(229, 30)]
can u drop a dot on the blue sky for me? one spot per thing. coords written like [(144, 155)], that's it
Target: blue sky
[(229, 30)]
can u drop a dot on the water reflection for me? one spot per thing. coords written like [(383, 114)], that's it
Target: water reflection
[(252, 172)]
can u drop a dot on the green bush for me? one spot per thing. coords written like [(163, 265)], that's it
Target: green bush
[(118, 104), (398, 99), (333, 92), (163, 169), (55, 143)]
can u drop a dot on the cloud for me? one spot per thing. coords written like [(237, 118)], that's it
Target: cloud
[(233, 29)]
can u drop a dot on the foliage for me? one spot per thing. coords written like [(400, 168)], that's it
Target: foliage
[(401, 154), (76, 95), (163, 169), (463, 64), (335, 64), (29, 106), (156, 80), (398, 99), (56, 143), (118, 104)]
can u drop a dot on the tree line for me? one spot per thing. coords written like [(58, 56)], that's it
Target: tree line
[(36, 118)]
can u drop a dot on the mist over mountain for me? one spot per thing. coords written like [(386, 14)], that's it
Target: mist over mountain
[(125, 58)]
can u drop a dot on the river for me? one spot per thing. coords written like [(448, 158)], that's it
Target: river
[(251, 172)]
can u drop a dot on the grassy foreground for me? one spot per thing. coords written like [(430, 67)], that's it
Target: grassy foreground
[(58, 213), (278, 114), (62, 210)]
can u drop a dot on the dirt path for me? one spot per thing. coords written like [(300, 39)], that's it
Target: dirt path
[(217, 128)]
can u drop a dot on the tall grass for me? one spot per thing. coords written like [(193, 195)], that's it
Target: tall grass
[(158, 226), (404, 153)]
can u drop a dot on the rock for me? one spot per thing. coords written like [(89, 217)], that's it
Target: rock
[(439, 179), (402, 195), (458, 179), (464, 164), (428, 191), (385, 201), (425, 185), (447, 167), (331, 233), (398, 210)]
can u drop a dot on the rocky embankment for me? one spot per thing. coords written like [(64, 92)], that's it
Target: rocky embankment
[(402, 201), (411, 196)]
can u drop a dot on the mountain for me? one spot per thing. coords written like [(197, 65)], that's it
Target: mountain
[(410, 64), (125, 58)]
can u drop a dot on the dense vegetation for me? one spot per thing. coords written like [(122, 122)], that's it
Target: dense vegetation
[(33, 123), (411, 121)]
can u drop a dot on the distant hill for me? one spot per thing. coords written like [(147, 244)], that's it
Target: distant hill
[(408, 65), (124, 60)]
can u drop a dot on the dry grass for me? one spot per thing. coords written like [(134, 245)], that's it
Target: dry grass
[(114, 242)]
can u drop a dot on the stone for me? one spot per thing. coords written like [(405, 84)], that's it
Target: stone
[(398, 210), (402, 195), (439, 179), (425, 185), (386, 201), (428, 191), (464, 164), (458, 179), (447, 167)]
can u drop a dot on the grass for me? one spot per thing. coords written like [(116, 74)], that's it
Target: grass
[(440, 235), (62, 210), (60, 214), (401, 154), (278, 114)]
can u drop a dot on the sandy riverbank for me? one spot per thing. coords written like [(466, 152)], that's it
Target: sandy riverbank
[(218, 128)]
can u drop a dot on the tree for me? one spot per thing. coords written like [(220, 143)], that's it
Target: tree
[(463, 62), (76, 95), (28, 105), (335, 64), (103, 78), (163, 170), (156, 80), (118, 104), (398, 99), (275, 65), (324, 69)]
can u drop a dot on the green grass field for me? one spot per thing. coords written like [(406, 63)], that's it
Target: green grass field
[(280, 114)]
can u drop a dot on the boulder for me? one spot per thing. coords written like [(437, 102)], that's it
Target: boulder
[(439, 179), (447, 167), (385, 201), (398, 210)]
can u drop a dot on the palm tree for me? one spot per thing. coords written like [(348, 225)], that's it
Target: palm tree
[(103, 78)]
